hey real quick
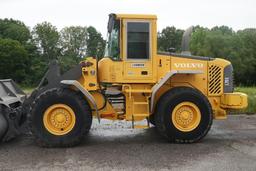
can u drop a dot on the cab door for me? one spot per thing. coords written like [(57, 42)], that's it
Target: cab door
[(137, 51)]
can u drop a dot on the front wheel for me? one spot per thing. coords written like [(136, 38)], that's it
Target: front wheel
[(183, 115), (60, 118)]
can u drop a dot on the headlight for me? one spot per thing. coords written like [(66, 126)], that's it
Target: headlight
[(228, 79)]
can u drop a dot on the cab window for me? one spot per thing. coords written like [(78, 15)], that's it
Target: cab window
[(112, 47), (138, 36)]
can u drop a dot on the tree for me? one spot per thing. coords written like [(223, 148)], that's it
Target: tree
[(11, 30), (238, 47), (36, 65), (214, 43), (46, 37), (73, 43), (14, 29), (197, 41), (243, 56), (14, 60), (95, 43), (225, 30), (170, 37)]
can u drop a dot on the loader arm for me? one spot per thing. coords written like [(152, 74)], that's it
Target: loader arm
[(15, 104)]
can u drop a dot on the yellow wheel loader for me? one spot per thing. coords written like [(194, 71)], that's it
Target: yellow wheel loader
[(180, 94)]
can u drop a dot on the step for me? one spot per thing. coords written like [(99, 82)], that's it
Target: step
[(140, 103), (141, 126), (141, 115), (138, 91)]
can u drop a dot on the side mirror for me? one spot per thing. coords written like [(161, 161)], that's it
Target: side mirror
[(172, 50)]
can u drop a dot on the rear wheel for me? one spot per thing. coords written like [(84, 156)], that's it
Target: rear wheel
[(184, 115), (60, 118), (152, 119)]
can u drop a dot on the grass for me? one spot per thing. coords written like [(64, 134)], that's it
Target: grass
[(251, 92), (27, 90)]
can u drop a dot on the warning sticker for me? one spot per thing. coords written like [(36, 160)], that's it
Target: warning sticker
[(138, 65)]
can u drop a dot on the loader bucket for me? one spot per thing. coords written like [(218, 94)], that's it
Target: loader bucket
[(11, 99), (14, 104)]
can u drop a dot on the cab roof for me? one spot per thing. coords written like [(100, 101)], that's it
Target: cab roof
[(135, 16)]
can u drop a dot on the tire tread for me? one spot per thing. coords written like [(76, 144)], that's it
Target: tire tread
[(159, 117), (77, 140)]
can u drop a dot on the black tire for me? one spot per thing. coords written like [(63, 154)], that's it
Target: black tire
[(70, 98), (3, 122), (167, 104), (152, 119)]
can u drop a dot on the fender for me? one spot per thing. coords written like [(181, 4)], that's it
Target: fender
[(158, 85), (85, 92)]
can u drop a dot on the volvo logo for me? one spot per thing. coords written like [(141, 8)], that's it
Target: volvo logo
[(188, 65)]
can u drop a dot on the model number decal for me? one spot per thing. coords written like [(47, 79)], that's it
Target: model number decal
[(138, 65), (188, 65)]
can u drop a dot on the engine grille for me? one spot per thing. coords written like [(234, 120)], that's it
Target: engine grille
[(215, 78)]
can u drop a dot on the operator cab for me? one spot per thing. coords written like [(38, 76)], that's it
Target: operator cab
[(131, 42), (112, 49)]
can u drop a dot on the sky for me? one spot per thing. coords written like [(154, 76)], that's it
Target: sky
[(238, 14)]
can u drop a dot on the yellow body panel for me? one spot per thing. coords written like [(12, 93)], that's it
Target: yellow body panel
[(234, 100), (130, 78), (89, 79), (110, 71), (136, 16)]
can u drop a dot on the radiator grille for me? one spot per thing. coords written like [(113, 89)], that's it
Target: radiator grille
[(215, 80)]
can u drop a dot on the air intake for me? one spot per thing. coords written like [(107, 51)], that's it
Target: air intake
[(215, 78)]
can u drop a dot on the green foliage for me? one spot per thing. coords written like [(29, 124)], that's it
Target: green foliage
[(14, 59), (251, 92), (18, 53), (46, 37), (28, 89), (215, 42), (14, 29), (37, 69), (73, 41), (170, 37), (25, 55), (197, 41), (237, 47), (74, 44), (243, 56), (95, 43)]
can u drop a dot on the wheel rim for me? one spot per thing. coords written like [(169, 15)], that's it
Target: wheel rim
[(59, 119), (186, 116)]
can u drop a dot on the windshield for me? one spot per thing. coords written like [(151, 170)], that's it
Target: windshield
[(112, 46)]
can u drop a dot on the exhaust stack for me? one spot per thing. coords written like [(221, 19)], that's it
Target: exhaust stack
[(185, 41)]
